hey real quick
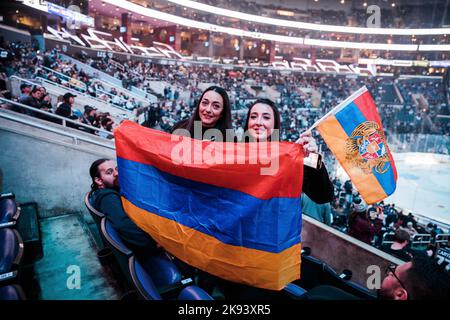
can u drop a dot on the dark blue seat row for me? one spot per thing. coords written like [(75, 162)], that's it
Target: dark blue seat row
[(154, 279), (157, 274), (12, 292), (9, 210), (315, 272), (11, 254)]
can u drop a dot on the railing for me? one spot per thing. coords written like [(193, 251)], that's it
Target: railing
[(72, 82), (92, 71), (63, 120), (104, 106), (428, 143)]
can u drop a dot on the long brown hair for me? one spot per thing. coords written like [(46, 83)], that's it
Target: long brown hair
[(222, 124)]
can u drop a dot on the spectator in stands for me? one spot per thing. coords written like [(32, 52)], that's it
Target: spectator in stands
[(399, 247), (106, 124), (105, 198), (89, 117), (25, 90), (263, 118), (34, 98), (65, 108), (360, 226), (213, 110), (410, 229), (420, 279)]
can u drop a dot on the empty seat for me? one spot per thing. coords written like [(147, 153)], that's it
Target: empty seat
[(161, 268), (12, 292), (147, 289), (9, 211), (11, 254), (342, 281), (11, 250), (311, 272), (96, 215)]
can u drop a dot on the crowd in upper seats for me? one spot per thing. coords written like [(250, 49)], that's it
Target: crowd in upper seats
[(25, 62), (303, 98)]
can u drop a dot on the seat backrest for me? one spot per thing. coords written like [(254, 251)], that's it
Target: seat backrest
[(194, 293), (12, 292), (142, 281), (8, 210), (120, 251), (162, 270), (442, 238), (331, 277), (420, 240), (388, 238), (96, 215), (11, 250), (311, 272)]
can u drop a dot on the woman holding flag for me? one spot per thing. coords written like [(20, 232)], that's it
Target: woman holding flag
[(263, 118)]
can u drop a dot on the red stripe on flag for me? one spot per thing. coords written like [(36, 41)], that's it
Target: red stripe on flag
[(155, 148), (368, 108)]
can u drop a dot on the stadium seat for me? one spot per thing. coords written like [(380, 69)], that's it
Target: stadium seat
[(9, 211), (163, 271), (388, 238), (420, 241), (12, 292), (294, 291), (96, 215), (342, 281), (311, 271), (11, 254), (147, 289), (120, 251)]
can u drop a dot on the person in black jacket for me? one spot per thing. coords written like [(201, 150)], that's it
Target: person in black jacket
[(263, 118), (105, 198)]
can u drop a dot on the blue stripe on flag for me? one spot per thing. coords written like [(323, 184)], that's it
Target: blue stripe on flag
[(271, 225)]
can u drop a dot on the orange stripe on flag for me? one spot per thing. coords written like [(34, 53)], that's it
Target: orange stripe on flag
[(238, 264), (335, 137)]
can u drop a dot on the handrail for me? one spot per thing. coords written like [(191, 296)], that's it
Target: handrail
[(68, 89), (25, 80), (85, 95), (84, 87), (8, 116), (88, 68), (52, 115)]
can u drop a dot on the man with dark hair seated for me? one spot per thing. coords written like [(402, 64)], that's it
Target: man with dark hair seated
[(420, 279), (398, 247), (105, 198)]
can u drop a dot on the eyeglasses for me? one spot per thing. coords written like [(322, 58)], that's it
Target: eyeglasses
[(391, 270)]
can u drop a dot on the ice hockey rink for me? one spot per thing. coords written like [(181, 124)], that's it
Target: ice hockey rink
[(423, 184)]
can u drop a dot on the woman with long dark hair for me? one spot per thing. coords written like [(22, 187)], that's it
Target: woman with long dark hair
[(263, 118), (213, 110)]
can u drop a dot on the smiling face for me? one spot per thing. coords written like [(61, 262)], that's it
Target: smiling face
[(211, 108), (261, 122)]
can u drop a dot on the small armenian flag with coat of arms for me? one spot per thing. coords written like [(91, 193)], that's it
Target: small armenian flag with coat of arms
[(354, 133)]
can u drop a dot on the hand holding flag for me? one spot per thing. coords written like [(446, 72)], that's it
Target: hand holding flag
[(354, 133)]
